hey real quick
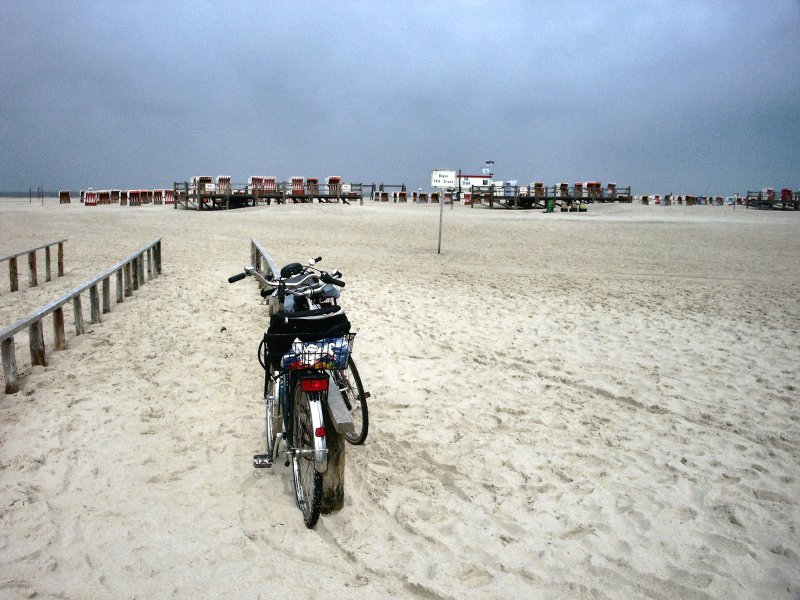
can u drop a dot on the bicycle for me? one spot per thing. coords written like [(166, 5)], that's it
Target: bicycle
[(311, 383)]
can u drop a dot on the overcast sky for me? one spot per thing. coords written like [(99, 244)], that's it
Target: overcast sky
[(672, 96)]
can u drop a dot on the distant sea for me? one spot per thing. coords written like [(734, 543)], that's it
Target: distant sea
[(34, 194)]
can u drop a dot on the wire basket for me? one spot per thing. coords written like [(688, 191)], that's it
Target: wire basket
[(324, 354)]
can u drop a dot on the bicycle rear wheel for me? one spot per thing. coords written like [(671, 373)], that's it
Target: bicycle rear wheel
[(355, 399), (307, 481)]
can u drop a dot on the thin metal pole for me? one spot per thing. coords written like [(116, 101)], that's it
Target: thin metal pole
[(441, 214), (453, 200)]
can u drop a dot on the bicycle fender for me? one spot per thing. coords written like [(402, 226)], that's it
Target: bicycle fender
[(320, 445)]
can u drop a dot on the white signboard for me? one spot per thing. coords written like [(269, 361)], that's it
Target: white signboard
[(443, 178), (346, 188)]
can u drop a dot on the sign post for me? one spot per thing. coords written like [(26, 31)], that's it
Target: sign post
[(442, 179)]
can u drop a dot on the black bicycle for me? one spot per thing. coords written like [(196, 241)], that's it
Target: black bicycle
[(311, 383)]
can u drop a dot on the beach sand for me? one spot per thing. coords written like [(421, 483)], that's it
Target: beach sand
[(599, 405)]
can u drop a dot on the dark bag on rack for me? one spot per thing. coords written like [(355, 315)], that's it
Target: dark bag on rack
[(305, 325)]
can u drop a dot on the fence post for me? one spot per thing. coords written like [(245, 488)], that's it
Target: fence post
[(60, 259), (106, 295), (158, 257), (13, 274), (47, 270), (94, 305), (333, 482), (134, 273), (10, 366), (58, 329), (150, 269), (140, 267), (32, 266), (120, 289), (36, 343), (127, 271), (77, 311)]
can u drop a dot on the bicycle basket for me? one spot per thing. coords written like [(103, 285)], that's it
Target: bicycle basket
[(327, 353), (305, 326)]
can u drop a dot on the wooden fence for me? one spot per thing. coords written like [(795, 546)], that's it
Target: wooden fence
[(261, 260), (33, 278), (130, 276)]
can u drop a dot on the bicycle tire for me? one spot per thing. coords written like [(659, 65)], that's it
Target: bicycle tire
[(349, 383), (307, 481)]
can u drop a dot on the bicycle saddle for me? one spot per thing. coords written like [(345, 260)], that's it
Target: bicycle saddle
[(291, 269)]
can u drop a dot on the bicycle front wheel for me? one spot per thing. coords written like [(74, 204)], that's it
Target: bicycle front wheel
[(307, 481), (355, 399)]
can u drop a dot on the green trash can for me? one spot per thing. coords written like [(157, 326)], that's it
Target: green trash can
[(550, 205)]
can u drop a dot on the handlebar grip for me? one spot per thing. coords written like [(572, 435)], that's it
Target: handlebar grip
[(237, 277), (328, 279), (316, 260)]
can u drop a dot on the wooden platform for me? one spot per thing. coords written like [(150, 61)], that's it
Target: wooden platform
[(243, 198), (512, 197)]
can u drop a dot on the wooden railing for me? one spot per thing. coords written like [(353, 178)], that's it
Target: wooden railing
[(262, 261), (130, 276), (31, 252)]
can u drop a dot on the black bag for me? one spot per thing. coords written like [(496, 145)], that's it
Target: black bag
[(305, 325)]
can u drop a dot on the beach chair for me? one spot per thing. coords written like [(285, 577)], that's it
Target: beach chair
[(297, 188), (334, 183), (312, 188), (205, 185), (223, 184)]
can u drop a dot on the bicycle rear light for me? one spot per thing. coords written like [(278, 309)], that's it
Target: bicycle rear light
[(314, 385), (320, 432)]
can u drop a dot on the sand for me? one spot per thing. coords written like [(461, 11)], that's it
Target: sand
[(601, 405)]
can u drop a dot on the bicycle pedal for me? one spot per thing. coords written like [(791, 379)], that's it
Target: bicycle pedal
[(262, 461), (367, 395)]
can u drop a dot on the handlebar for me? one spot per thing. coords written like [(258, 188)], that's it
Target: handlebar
[(295, 288), (328, 279)]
